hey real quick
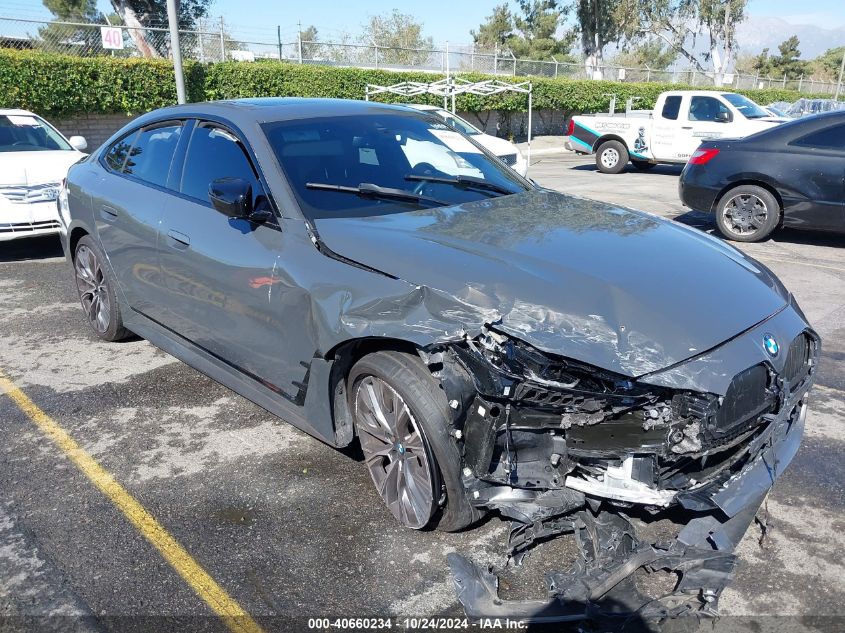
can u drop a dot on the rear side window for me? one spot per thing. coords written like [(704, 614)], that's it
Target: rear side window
[(215, 153), (117, 154), (671, 108), (829, 138), (152, 152)]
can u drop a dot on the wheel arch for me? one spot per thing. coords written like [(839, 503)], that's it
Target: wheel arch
[(757, 182), (73, 239), (610, 137), (343, 357)]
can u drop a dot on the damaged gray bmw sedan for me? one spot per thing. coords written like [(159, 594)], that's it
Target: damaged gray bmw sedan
[(365, 272)]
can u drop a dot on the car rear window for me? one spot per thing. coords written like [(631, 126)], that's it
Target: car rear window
[(832, 137), (147, 153)]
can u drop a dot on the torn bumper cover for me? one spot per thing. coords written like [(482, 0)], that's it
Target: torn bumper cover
[(561, 447)]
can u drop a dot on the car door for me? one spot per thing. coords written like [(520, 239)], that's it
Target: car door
[(817, 169), (225, 290), (706, 118), (128, 205), (665, 128)]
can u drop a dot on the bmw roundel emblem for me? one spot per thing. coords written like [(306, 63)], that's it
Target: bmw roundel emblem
[(771, 345)]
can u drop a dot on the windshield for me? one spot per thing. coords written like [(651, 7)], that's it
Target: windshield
[(28, 133), (458, 123), (376, 164), (746, 106)]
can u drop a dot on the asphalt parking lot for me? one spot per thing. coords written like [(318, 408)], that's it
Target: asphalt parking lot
[(294, 529)]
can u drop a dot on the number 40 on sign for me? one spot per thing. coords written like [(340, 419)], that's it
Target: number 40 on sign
[(112, 37)]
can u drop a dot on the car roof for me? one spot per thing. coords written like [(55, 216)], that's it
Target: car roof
[(269, 109), (16, 112), (420, 106)]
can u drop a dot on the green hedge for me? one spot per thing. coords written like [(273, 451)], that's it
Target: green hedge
[(63, 85)]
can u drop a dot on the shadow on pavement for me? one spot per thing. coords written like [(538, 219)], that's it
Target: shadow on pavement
[(42, 247)]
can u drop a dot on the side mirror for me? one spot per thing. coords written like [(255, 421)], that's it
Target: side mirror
[(723, 117), (231, 196), (78, 143)]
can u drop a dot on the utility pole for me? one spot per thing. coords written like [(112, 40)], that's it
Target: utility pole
[(222, 41), (299, 39), (173, 23), (279, 39), (839, 83)]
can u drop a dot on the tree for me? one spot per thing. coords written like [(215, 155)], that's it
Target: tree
[(311, 49), (63, 38), (652, 54), (678, 22), (401, 36), (497, 30), (538, 23), (826, 66), (787, 64), (719, 19), (140, 14), (599, 26)]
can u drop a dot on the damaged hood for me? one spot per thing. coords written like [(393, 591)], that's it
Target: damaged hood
[(612, 287)]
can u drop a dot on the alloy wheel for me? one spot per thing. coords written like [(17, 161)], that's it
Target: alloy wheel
[(93, 291), (745, 214), (395, 452)]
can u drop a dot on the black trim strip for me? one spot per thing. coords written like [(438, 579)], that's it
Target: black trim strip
[(298, 399)]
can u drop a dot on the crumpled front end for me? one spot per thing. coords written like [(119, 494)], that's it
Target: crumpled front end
[(561, 447)]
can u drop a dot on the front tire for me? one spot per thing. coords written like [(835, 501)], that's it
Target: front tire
[(96, 289), (747, 213), (403, 421), (611, 157)]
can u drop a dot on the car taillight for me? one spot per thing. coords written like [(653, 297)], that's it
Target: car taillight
[(570, 128), (703, 156)]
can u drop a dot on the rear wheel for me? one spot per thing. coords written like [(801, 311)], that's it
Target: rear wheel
[(97, 291), (643, 165), (403, 423), (747, 213), (611, 157)]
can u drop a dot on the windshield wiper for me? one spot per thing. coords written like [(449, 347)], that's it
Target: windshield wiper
[(470, 182), (370, 190)]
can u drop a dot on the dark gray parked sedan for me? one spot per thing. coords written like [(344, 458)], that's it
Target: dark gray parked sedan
[(364, 271)]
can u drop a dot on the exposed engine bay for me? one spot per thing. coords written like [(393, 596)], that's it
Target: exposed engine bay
[(560, 447)]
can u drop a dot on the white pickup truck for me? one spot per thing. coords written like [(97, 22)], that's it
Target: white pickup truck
[(668, 134)]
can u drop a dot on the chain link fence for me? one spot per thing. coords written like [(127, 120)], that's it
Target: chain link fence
[(214, 45)]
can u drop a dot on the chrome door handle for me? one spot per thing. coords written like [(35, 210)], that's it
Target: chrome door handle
[(686, 127)]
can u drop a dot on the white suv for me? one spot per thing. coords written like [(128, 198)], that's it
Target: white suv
[(34, 159)]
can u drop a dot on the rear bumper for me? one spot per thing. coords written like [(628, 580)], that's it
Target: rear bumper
[(695, 194), (28, 220)]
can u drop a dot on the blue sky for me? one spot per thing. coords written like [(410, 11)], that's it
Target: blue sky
[(445, 20)]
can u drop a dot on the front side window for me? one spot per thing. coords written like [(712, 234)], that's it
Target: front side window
[(29, 133), (151, 153), (214, 153), (706, 109), (671, 108), (387, 162)]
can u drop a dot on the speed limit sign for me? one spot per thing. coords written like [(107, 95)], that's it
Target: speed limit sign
[(112, 37)]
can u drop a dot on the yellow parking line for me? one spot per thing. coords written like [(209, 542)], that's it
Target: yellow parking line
[(232, 614)]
